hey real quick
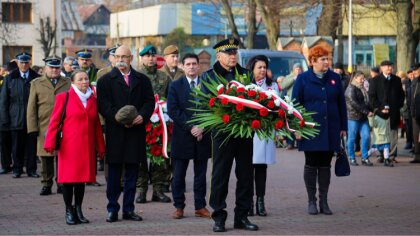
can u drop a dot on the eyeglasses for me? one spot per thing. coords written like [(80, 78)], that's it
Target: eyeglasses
[(124, 57)]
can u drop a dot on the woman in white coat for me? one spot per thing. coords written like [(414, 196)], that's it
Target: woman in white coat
[(264, 153)]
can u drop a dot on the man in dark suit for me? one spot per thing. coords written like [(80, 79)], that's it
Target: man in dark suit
[(386, 97), (13, 105), (188, 140), (126, 144)]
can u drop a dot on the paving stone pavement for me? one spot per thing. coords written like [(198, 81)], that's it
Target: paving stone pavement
[(373, 200)]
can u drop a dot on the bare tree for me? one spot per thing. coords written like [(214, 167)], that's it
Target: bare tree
[(229, 15), (270, 13), (48, 35), (8, 30), (252, 23)]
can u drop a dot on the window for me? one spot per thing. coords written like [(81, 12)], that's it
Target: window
[(16, 12), (10, 52)]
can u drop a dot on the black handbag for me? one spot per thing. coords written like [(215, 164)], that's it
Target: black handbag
[(59, 134), (342, 165)]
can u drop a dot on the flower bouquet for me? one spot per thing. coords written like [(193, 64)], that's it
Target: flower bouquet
[(238, 111), (158, 133)]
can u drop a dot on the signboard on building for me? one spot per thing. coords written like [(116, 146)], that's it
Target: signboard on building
[(380, 52)]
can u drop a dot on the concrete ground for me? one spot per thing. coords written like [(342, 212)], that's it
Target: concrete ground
[(372, 200)]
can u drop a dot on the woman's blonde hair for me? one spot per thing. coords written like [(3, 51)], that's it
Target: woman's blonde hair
[(402, 74)]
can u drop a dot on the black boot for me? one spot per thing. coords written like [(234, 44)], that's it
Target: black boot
[(70, 217), (80, 216), (324, 176), (260, 207), (251, 210), (309, 175)]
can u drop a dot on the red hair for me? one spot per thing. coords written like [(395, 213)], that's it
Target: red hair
[(317, 52)]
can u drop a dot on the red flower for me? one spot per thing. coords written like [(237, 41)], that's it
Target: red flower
[(263, 96), (263, 112), (157, 130), (150, 139), (211, 101), (220, 91), (240, 90), (251, 93), (255, 124), (228, 91), (148, 127), (226, 118), (281, 113), (270, 104), (225, 101), (302, 123), (239, 107), (255, 100), (279, 124), (241, 96), (156, 150)]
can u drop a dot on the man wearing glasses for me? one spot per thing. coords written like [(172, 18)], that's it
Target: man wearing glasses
[(238, 149), (13, 104), (40, 106)]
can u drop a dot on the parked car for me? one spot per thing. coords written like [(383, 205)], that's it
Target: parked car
[(280, 62)]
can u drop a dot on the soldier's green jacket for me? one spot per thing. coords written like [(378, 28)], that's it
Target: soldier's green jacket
[(160, 80)]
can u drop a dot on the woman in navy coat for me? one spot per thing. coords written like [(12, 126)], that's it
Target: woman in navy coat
[(319, 90)]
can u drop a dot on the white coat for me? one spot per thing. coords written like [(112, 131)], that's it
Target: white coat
[(265, 152)]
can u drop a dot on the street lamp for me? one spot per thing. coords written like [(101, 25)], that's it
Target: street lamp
[(224, 21)]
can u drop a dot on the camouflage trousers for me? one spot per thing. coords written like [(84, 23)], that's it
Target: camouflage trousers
[(160, 175)]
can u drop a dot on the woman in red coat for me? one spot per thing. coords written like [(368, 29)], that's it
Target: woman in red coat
[(82, 134)]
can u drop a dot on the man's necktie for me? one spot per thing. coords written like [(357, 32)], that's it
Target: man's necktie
[(192, 84), (126, 80), (54, 81)]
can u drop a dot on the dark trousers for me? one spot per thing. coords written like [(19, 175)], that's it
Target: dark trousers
[(6, 149), (416, 130), (178, 183), (113, 189), (47, 170), (23, 145), (260, 178), (409, 130), (76, 189), (318, 158), (240, 150)]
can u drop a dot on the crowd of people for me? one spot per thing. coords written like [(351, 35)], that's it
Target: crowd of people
[(79, 120)]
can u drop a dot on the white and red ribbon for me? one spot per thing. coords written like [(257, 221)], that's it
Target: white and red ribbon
[(159, 111), (256, 105)]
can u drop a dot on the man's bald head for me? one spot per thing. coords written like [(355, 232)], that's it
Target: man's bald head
[(123, 59)]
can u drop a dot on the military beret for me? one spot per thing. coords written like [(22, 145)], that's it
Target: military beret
[(387, 63), (24, 57), (171, 49), (84, 53), (112, 50), (126, 114), (227, 45), (53, 61), (149, 49)]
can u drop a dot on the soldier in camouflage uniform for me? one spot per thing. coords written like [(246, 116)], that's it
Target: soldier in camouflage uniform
[(159, 173)]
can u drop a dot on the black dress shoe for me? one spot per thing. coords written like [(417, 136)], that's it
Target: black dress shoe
[(33, 175), (45, 191), (5, 170), (244, 224), (141, 198), (16, 175), (160, 197), (112, 217), (131, 216), (219, 227)]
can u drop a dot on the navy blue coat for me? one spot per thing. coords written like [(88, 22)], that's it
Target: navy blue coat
[(326, 98), (183, 144)]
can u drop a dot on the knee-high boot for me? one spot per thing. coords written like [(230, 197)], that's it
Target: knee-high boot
[(324, 176), (309, 175)]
